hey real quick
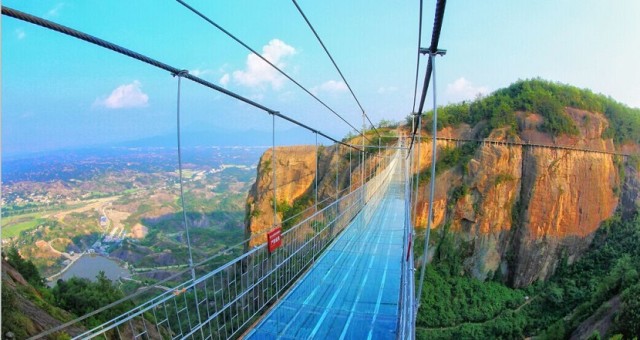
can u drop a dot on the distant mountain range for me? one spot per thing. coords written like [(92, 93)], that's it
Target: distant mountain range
[(194, 137)]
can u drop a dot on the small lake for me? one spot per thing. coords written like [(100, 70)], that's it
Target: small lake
[(89, 266)]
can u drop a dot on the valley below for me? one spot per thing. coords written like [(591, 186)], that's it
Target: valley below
[(123, 205)]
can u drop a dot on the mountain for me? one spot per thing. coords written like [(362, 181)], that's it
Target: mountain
[(194, 135), (517, 210), (536, 229), (514, 208)]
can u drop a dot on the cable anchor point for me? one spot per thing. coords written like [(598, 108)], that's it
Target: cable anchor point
[(425, 50), (180, 73)]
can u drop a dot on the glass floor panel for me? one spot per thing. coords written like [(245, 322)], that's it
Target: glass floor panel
[(352, 291)]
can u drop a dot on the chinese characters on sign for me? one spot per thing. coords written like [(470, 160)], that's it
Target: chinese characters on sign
[(274, 239)]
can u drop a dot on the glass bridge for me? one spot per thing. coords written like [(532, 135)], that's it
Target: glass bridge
[(353, 289)]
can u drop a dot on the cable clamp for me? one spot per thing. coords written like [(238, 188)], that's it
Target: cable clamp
[(180, 73), (424, 50)]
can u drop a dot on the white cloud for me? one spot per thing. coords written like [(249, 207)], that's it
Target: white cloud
[(258, 73), (55, 11), (20, 33), (224, 80), (286, 96), (330, 86), (462, 89), (125, 96), (201, 72), (257, 97), (387, 89)]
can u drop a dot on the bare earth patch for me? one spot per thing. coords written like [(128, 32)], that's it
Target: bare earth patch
[(45, 250), (139, 231), (91, 205), (116, 217)]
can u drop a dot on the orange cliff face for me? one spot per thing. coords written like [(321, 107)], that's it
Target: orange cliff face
[(517, 209), (571, 194), (524, 207), (295, 174), (566, 196)]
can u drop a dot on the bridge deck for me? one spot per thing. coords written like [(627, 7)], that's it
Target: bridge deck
[(353, 290)]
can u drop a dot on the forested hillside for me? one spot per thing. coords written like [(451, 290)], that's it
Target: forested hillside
[(516, 216), (548, 99)]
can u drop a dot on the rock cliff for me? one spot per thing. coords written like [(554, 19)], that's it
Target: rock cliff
[(519, 209), (295, 175), (516, 208), (25, 312)]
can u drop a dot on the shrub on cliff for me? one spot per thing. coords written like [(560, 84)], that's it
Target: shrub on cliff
[(546, 98)]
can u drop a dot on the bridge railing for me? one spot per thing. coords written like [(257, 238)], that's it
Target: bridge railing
[(223, 303), (406, 321)]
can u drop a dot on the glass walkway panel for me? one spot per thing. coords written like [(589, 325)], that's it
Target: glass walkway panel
[(353, 290)]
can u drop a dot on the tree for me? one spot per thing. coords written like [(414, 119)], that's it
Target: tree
[(26, 268), (81, 296), (628, 321)]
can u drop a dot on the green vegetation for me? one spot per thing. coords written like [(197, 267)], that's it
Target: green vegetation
[(452, 300), (15, 226), (504, 177), (628, 319), (25, 267), (81, 296), (450, 157), (13, 296), (386, 124), (386, 137), (292, 214), (547, 99), (12, 321), (78, 296), (456, 306), (624, 122)]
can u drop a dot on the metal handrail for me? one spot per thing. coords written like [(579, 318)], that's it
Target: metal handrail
[(240, 288)]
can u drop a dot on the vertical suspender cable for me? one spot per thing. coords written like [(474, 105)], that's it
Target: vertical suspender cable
[(337, 169), (275, 198), (349, 169), (432, 58), (363, 151), (273, 163), (378, 162), (410, 156), (315, 183), (417, 181), (184, 211), (415, 90)]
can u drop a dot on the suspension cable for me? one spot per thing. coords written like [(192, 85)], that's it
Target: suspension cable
[(184, 211), (415, 86), (273, 163), (414, 217), (207, 19), (334, 64), (181, 182), (433, 48), (433, 182), (153, 62)]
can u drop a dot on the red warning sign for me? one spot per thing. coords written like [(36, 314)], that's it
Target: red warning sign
[(274, 239)]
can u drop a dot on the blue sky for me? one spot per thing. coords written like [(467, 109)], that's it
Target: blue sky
[(61, 92)]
